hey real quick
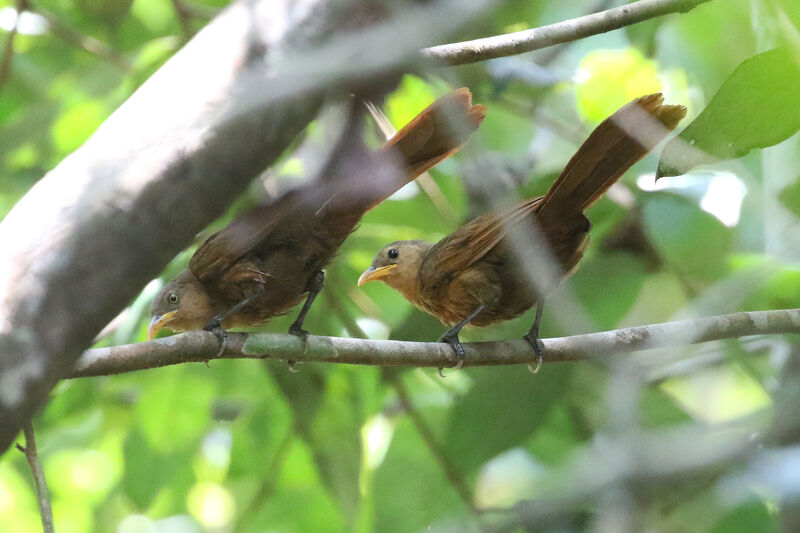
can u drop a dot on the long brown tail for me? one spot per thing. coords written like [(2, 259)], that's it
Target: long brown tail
[(613, 147), (436, 133)]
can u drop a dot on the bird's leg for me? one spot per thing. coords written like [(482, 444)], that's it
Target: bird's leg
[(533, 336), (451, 337), (314, 288), (215, 324)]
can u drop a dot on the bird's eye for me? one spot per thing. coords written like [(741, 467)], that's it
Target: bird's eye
[(393, 253), (172, 298)]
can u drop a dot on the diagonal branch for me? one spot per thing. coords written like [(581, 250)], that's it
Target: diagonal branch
[(91, 233), (39, 482), (201, 346), (561, 32)]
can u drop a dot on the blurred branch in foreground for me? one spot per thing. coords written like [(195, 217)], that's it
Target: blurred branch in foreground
[(201, 346)]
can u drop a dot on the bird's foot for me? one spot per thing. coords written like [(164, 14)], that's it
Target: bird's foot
[(535, 342), (455, 343), (215, 326), (298, 331)]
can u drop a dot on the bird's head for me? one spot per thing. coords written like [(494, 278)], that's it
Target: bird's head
[(181, 305), (397, 265)]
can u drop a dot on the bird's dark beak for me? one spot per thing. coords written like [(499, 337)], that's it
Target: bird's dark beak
[(372, 274), (158, 322)]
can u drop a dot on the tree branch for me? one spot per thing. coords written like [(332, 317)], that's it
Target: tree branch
[(39, 482), (561, 32), (92, 232), (202, 346)]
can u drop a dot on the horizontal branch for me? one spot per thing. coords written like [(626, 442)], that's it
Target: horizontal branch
[(201, 346), (561, 32)]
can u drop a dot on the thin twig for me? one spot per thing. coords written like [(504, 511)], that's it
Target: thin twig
[(448, 467), (42, 494), (201, 346), (8, 49), (84, 42), (561, 32)]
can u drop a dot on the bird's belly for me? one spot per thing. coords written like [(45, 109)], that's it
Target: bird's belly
[(503, 299)]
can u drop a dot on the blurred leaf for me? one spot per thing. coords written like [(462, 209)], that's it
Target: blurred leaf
[(174, 410), (140, 459), (109, 12), (504, 407), (753, 517), (790, 197), (75, 125), (643, 35), (659, 409), (410, 491), (607, 286), (410, 97), (756, 107), (609, 79), (152, 55), (688, 238), (326, 414)]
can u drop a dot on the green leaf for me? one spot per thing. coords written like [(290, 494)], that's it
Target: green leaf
[(410, 490), (326, 413), (174, 410), (753, 517), (147, 472), (502, 410), (607, 285), (689, 239), (756, 107)]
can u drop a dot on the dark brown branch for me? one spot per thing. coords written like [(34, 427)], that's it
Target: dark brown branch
[(39, 482), (561, 32), (202, 346)]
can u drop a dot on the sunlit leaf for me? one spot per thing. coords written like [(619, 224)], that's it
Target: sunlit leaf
[(756, 107)]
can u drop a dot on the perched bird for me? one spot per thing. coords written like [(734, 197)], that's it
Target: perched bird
[(263, 263), (476, 276)]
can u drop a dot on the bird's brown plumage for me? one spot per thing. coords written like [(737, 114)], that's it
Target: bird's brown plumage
[(273, 254), (476, 265)]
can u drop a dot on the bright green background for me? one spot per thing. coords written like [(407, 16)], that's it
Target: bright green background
[(247, 446)]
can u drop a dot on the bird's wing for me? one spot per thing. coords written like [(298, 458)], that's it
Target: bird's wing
[(220, 251), (476, 238)]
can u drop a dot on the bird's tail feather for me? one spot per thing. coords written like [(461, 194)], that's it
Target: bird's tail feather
[(436, 133), (613, 147)]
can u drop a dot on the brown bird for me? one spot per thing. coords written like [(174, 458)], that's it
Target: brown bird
[(262, 264), (473, 276)]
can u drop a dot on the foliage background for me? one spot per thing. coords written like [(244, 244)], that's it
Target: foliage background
[(247, 446)]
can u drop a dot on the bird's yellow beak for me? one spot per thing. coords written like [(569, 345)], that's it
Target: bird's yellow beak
[(158, 322), (372, 274)]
